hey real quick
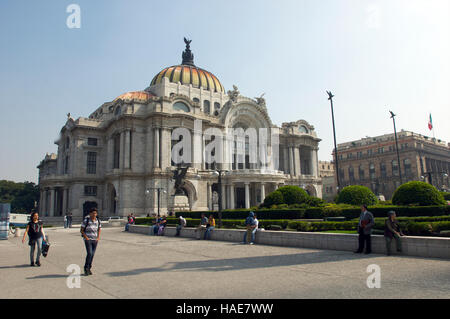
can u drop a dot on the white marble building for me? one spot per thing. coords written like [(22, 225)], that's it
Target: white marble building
[(118, 157)]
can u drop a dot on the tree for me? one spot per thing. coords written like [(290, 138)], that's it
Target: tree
[(22, 196)]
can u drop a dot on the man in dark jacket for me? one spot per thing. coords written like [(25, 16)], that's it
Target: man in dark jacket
[(366, 222)]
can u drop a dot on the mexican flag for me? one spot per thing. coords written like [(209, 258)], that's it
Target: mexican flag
[(430, 123)]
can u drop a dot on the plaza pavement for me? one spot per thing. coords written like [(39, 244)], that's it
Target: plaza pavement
[(137, 266)]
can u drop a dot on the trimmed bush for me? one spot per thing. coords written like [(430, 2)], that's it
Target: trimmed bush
[(288, 195), (356, 195), (274, 198), (446, 195), (417, 193)]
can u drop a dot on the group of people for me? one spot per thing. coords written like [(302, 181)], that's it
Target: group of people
[(205, 227), (391, 231), (91, 229), (90, 232), (68, 220), (160, 226)]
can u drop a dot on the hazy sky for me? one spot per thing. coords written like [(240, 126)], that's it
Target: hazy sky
[(374, 56)]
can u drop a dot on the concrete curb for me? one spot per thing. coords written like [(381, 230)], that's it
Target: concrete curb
[(430, 247)]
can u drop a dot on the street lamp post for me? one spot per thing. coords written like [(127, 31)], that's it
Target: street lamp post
[(158, 189), (396, 147), (330, 98)]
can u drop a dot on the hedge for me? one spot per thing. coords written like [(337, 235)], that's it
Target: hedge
[(349, 212)]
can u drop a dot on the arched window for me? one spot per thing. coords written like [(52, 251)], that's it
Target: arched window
[(303, 129), (206, 107), (180, 106), (196, 100), (117, 111)]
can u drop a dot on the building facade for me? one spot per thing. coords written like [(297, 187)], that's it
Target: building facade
[(121, 158), (329, 186), (372, 162)]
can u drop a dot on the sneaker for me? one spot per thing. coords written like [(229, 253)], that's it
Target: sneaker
[(38, 264), (252, 243), (89, 272), (86, 272), (32, 264)]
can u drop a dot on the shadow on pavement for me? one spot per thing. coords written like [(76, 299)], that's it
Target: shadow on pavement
[(15, 266), (47, 276), (249, 262)]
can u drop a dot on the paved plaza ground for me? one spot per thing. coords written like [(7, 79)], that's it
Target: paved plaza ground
[(137, 266)]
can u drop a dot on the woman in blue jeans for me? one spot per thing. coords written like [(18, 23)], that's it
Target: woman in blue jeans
[(35, 232)]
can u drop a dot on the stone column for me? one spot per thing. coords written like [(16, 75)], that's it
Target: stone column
[(209, 194), (52, 202), (196, 149), (297, 161), (165, 148), (156, 156), (291, 162), (316, 162), (149, 150), (110, 155), (122, 150), (224, 195), (232, 201), (64, 201), (286, 160), (126, 149), (247, 194), (263, 192)]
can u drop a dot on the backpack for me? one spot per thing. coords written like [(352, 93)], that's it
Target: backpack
[(86, 221)]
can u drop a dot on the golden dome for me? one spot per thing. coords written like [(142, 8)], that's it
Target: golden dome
[(136, 96), (187, 73)]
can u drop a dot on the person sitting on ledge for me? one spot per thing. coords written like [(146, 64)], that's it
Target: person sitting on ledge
[(209, 227), (181, 224), (162, 226), (156, 226), (202, 227), (392, 230)]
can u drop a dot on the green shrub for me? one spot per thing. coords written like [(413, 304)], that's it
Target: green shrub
[(315, 202), (356, 195), (417, 193), (446, 195), (274, 198), (288, 195)]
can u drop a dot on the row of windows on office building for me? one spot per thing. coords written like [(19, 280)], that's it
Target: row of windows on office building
[(372, 151), (383, 170)]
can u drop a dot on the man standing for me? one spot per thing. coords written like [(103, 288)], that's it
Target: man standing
[(251, 225), (366, 222), (69, 220), (90, 231)]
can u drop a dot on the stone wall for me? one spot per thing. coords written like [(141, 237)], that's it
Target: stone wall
[(412, 245)]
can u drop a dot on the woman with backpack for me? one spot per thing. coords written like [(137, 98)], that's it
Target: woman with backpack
[(90, 231), (35, 232)]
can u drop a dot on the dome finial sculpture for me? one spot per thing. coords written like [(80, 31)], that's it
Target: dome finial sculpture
[(188, 56)]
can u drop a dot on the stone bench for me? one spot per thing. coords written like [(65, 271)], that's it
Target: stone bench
[(435, 247)]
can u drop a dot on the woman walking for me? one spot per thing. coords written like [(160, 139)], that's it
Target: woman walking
[(35, 232)]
